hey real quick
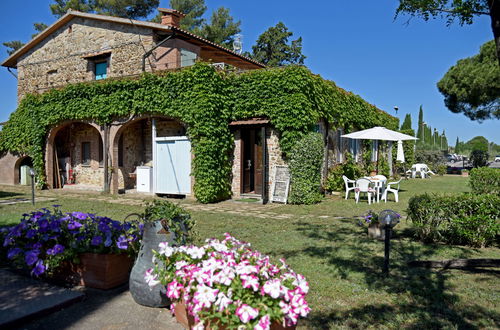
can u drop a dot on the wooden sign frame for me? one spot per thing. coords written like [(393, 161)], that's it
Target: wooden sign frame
[(279, 179)]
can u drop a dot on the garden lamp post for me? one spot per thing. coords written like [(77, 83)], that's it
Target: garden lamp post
[(32, 174), (389, 219)]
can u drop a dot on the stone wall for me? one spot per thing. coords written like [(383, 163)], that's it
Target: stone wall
[(91, 174), (9, 168), (62, 57)]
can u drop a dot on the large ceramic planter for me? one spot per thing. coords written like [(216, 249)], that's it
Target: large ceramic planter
[(99, 271), (139, 289), (187, 320)]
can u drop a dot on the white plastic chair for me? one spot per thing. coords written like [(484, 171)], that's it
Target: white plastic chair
[(348, 182), (425, 171), (364, 185), (380, 185), (395, 191)]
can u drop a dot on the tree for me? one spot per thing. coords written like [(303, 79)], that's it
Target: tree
[(222, 28), (463, 10), (194, 10), (13, 46), (457, 146), (122, 8), (478, 143), (272, 47), (407, 122), (420, 125), (472, 86)]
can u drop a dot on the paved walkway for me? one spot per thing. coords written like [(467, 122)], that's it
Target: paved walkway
[(26, 303)]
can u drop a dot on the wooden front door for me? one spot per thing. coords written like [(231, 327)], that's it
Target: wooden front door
[(252, 160)]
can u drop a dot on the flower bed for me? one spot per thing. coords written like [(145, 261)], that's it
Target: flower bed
[(46, 239), (225, 283)]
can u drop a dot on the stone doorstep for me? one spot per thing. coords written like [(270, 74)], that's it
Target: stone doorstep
[(23, 298)]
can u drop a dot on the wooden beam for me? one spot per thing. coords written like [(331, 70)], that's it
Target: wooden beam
[(455, 263)]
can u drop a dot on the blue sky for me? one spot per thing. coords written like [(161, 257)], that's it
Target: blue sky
[(357, 44)]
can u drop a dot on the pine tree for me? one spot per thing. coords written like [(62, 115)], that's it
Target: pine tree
[(420, 127), (222, 28), (457, 146), (272, 47), (406, 122), (194, 10)]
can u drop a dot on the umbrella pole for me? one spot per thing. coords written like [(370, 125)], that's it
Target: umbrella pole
[(378, 152)]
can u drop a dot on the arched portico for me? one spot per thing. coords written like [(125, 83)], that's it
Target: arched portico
[(74, 154)]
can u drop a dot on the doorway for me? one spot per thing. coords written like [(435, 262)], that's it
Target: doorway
[(252, 160)]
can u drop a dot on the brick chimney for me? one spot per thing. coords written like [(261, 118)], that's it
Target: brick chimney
[(171, 17)]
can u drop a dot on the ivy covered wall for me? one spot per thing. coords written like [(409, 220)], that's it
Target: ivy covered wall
[(206, 101)]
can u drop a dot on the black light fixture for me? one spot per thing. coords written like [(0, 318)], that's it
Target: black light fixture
[(396, 108), (32, 173), (388, 220)]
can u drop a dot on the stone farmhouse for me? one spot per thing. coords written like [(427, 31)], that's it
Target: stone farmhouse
[(148, 153)]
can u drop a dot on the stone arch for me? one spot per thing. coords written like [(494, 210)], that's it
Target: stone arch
[(69, 135), (131, 145), (23, 160)]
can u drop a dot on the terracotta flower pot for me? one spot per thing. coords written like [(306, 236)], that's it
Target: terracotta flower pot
[(99, 271), (187, 320)]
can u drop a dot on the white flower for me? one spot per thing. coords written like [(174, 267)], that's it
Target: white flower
[(165, 250), (205, 295), (246, 313), (196, 252), (222, 301), (225, 276), (151, 278), (301, 283)]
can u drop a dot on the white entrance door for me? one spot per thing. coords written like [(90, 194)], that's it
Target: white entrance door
[(173, 165)]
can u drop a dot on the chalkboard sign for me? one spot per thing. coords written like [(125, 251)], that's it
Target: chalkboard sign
[(281, 184)]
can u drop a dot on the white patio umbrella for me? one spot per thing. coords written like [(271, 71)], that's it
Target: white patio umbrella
[(400, 156), (380, 133)]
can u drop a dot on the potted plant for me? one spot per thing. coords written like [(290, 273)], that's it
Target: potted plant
[(163, 222), (465, 172), (374, 227), (225, 284), (87, 249)]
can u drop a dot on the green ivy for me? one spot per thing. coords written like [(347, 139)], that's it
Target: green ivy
[(206, 101)]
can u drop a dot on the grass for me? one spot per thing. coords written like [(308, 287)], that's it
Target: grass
[(343, 265)]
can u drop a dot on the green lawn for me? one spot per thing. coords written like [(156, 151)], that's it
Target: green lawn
[(343, 265)]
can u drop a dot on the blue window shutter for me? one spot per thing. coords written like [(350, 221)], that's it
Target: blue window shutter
[(101, 70)]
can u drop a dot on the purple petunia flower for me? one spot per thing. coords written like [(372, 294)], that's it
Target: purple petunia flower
[(37, 246), (56, 205), (13, 252), (122, 242), (74, 225), (31, 257), (96, 240), (103, 227), (31, 233), (39, 268), (116, 225), (58, 248), (80, 215), (7, 241), (108, 240)]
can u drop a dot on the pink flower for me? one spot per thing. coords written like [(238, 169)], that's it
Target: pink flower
[(246, 313), (174, 290), (302, 283), (205, 295), (264, 323), (250, 281), (222, 301), (273, 288), (300, 306)]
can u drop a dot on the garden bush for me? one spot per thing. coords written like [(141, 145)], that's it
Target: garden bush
[(306, 160), (467, 219), (485, 180), (432, 158), (349, 168), (479, 158)]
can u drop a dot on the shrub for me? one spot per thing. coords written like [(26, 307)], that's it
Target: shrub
[(485, 180), (306, 160), (349, 168), (479, 158), (460, 219), (441, 169), (432, 158)]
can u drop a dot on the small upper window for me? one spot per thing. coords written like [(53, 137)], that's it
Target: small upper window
[(101, 70)]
